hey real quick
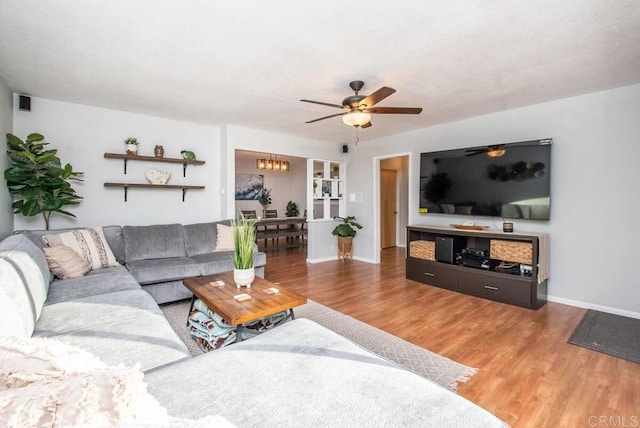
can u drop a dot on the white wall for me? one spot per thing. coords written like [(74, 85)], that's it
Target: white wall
[(82, 134), (594, 225), (285, 186), (6, 126)]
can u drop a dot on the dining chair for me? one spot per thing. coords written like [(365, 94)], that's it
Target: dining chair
[(249, 213)]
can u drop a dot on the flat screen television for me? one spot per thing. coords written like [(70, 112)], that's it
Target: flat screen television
[(502, 180)]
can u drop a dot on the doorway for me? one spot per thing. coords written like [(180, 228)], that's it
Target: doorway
[(394, 211)]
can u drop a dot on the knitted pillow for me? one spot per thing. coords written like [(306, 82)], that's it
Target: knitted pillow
[(89, 243)]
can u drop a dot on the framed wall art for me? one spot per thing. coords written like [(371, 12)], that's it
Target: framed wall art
[(249, 186)]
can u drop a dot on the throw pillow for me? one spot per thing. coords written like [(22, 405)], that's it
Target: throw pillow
[(114, 396), (224, 241), (27, 360), (89, 243), (65, 263)]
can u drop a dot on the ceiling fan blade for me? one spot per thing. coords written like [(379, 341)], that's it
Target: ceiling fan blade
[(376, 97), (321, 103), (474, 152), (366, 125), (326, 117), (395, 110)]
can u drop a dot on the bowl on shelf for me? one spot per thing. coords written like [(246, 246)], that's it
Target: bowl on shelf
[(158, 177)]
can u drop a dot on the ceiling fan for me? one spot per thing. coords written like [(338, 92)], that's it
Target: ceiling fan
[(492, 151), (358, 108)]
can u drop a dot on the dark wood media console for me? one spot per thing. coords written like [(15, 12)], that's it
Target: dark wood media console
[(525, 284)]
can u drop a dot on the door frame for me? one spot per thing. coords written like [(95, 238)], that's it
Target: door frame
[(376, 197)]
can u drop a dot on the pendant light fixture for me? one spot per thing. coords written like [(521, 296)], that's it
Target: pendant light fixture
[(272, 164)]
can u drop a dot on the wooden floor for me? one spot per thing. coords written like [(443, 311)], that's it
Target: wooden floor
[(528, 375)]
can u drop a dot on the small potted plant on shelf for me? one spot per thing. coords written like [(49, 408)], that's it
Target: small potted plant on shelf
[(292, 209), (244, 236), (345, 232), (132, 145)]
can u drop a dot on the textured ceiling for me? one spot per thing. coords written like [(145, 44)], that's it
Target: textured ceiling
[(249, 62)]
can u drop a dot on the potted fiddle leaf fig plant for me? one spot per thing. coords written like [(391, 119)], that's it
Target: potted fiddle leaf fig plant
[(345, 232), (37, 180), (244, 237)]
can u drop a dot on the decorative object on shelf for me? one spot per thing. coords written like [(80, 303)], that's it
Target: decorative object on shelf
[(292, 209), (335, 171), (507, 227), (469, 226), (345, 232), (272, 164), (36, 179), (265, 200), (158, 177), (126, 158), (158, 151), (244, 237), (326, 188), (132, 145), (315, 188), (188, 155)]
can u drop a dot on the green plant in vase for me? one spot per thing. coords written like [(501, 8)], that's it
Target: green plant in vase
[(265, 200), (132, 145), (244, 237)]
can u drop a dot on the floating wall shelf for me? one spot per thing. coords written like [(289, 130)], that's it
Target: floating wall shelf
[(126, 158), (126, 186)]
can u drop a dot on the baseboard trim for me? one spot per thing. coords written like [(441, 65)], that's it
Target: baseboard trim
[(328, 259), (325, 259), (362, 259), (588, 305)]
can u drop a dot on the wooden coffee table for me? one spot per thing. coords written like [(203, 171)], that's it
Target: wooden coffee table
[(220, 299)]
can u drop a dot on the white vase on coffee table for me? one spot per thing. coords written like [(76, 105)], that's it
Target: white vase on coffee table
[(244, 277)]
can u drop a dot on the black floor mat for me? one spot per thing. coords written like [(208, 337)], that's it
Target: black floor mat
[(610, 334)]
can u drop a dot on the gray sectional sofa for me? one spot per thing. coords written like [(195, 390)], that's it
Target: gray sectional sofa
[(299, 374), (160, 256)]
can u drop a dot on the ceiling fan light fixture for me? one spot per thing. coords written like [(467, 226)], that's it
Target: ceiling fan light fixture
[(356, 118), (496, 153)]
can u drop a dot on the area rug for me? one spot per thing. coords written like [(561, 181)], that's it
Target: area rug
[(610, 334), (419, 360)]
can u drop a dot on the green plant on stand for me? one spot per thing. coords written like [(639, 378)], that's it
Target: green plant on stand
[(36, 179), (244, 237), (345, 232)]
